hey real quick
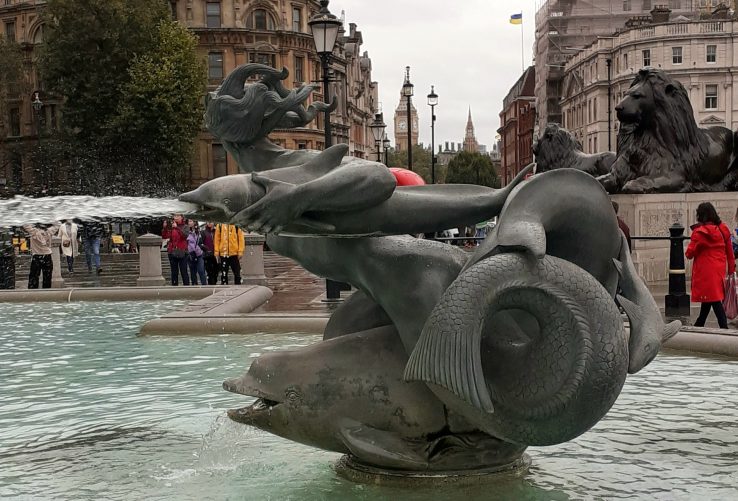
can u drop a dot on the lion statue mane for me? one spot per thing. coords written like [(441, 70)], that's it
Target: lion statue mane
[(557, 148), (661, 149)]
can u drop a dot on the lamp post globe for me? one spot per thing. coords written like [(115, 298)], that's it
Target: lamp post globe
[(433, 102), (377, 127)]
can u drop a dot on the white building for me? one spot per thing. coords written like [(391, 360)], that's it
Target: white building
[(702, 55)]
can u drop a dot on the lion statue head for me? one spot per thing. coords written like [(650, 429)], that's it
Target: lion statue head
[(554, 148), (660, 146)]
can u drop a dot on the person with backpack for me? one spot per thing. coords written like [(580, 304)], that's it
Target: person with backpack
[(41, 262), (712, 252)]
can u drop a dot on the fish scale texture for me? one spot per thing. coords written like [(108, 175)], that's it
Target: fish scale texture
[(566, 378)]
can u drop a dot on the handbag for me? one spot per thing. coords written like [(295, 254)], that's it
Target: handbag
[(730, 301), (179, 253), (67, 243)]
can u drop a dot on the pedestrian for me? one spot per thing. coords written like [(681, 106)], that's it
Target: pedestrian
[(92, 232), (69, 245), (41, 262), (229, 247), (7, 259), (712, 252), (621, 224), (211, 262), (176, 233), (196, 254)]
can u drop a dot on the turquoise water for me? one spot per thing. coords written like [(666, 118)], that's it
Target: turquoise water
[(90, 411)]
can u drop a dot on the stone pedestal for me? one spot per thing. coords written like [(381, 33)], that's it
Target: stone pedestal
[(149, 256), (57, 282), (252, 261), (652, 215)]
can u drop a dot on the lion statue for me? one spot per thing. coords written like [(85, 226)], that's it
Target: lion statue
[(557, 148), (660, 147)]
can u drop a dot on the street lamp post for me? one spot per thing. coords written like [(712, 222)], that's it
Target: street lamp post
[(432, 102), (609, 104), (38, 106), (407, 91), (386, 145), (324, 27), (377, 127)]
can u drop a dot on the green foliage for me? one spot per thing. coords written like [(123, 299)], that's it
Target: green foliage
[(89, 46), (132, 85), (421, 163), (472, 168), (160, 110)]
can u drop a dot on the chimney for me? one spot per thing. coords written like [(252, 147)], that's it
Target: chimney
[(459, 147), (440, 148), (660, 14), (447, 146)]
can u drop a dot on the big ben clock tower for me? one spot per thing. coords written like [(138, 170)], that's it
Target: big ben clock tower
[(401, 124)]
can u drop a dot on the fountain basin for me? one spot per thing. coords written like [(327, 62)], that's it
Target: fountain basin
[(91, 410)]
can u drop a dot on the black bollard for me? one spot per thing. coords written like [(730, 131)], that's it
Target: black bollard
[(7, 261), (677, 300)]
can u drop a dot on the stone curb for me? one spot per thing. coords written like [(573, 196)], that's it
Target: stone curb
[(253, 323), (705, 341), (108, 294)]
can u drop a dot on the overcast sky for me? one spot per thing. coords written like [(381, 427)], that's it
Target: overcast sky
[(466, 48)]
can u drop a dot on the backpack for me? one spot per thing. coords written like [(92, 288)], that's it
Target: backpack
[(734, 242)]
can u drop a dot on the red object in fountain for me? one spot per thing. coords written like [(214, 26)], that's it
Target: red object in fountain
[(406, 177)]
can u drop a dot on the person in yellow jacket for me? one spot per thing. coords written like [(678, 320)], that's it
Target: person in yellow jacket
[(229, 246)]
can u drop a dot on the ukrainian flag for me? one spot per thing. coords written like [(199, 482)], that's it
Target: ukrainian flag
[(516, 18)]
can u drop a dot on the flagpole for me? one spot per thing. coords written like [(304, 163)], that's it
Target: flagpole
[(522, 50)]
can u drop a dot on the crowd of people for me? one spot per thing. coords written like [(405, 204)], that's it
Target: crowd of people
[(202, 256)]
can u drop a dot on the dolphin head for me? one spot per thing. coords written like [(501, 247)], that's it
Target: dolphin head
[(316, 395), (220, 199)]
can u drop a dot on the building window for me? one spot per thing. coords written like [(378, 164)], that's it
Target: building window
[(647, 5), (265, 59), (173, 9), (10, 31), (625, 61), (299, 69), (260, 20), (296, 19), (647, 57), (215, 65), (626, 5), (220, 162), (711, 97), (675, 4), (711, 53), (38, 35), (15, 122), (676, 55), (213, 14)]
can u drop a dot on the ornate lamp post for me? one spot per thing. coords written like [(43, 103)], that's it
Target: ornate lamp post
[(377, 127), (386, 145), (407, 91), (432, 102), (38, 106), (324, 27)]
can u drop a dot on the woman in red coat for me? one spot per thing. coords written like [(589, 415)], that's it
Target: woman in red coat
[(712, 251)]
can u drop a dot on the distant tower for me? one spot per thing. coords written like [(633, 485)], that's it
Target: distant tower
[(401, 124), (470, 140)]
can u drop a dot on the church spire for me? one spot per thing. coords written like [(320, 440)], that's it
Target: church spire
[(470, 140)]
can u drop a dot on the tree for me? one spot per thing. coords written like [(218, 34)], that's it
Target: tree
[(472, 168), (160, 110), (89, 46)]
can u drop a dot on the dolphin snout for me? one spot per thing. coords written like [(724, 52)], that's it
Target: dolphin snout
[(193, 197)]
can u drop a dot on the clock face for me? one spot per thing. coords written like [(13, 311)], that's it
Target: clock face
[(402, 125)]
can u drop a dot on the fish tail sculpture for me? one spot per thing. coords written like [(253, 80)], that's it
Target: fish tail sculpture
[(529, 350)]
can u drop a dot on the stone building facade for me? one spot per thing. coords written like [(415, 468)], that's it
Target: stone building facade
[(230, 33), (20, 123), (702, 55), (275, 32), (517, 124), (564, 27)]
